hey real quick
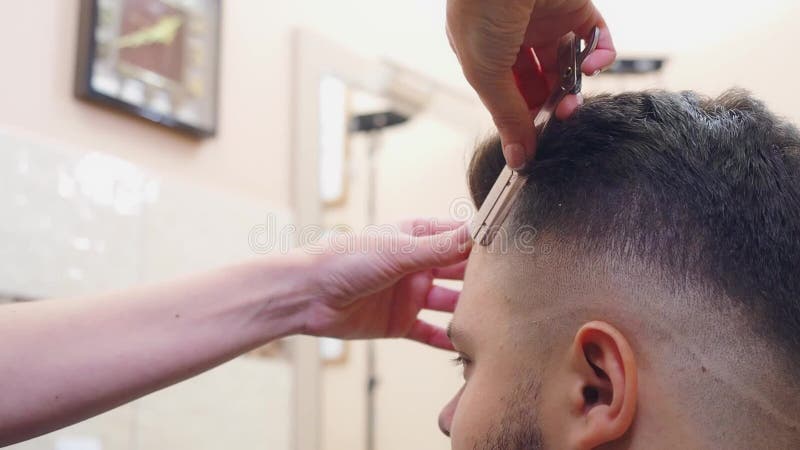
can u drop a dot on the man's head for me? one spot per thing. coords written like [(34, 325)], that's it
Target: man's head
[(645, 290)]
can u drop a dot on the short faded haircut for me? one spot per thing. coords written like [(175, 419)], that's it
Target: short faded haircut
[(699, 188)]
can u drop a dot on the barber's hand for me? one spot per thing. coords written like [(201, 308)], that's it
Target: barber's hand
[(486, 36), (377, 286)]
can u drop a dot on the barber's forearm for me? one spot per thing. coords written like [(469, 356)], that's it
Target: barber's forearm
[(68, 359)]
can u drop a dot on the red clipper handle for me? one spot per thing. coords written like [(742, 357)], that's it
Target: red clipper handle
[(530, 78)]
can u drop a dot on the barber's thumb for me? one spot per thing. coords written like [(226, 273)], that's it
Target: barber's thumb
[(437, 250), (513, 119)]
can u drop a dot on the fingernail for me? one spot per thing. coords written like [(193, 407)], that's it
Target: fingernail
[(515, 155), (580, 99), (596, 72)]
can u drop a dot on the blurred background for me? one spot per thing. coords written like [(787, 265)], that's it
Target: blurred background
[(142, 139)]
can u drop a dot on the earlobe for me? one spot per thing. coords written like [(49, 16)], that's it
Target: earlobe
[(605, 396)]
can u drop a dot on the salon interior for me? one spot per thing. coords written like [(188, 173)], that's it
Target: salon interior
[(253, 121)]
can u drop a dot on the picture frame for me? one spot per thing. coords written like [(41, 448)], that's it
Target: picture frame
[(155, 59)]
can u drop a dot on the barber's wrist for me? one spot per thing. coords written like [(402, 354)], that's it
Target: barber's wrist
[(287, 289)]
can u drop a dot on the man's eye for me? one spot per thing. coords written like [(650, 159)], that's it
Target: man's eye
[(461, 360)]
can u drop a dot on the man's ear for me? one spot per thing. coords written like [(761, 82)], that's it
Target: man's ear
[(604, 397)]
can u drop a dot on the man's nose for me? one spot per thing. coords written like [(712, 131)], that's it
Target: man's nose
[(446, 416)]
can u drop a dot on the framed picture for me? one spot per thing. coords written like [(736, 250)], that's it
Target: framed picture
[(157, 59)]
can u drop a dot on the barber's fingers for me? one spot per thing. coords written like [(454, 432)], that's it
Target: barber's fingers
[(429, 334), (436, 250), (486, 37), (582, 22), (510, 113), (428, 226), (604, 54), (442, 299), (568, 106), (452, 272)]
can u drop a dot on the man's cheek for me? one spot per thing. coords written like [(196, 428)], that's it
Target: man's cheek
[(466, 422), (473, 416)]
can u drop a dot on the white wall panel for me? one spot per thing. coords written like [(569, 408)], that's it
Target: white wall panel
[(76, 221)]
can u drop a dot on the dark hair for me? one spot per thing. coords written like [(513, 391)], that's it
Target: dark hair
[(703, 189)]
